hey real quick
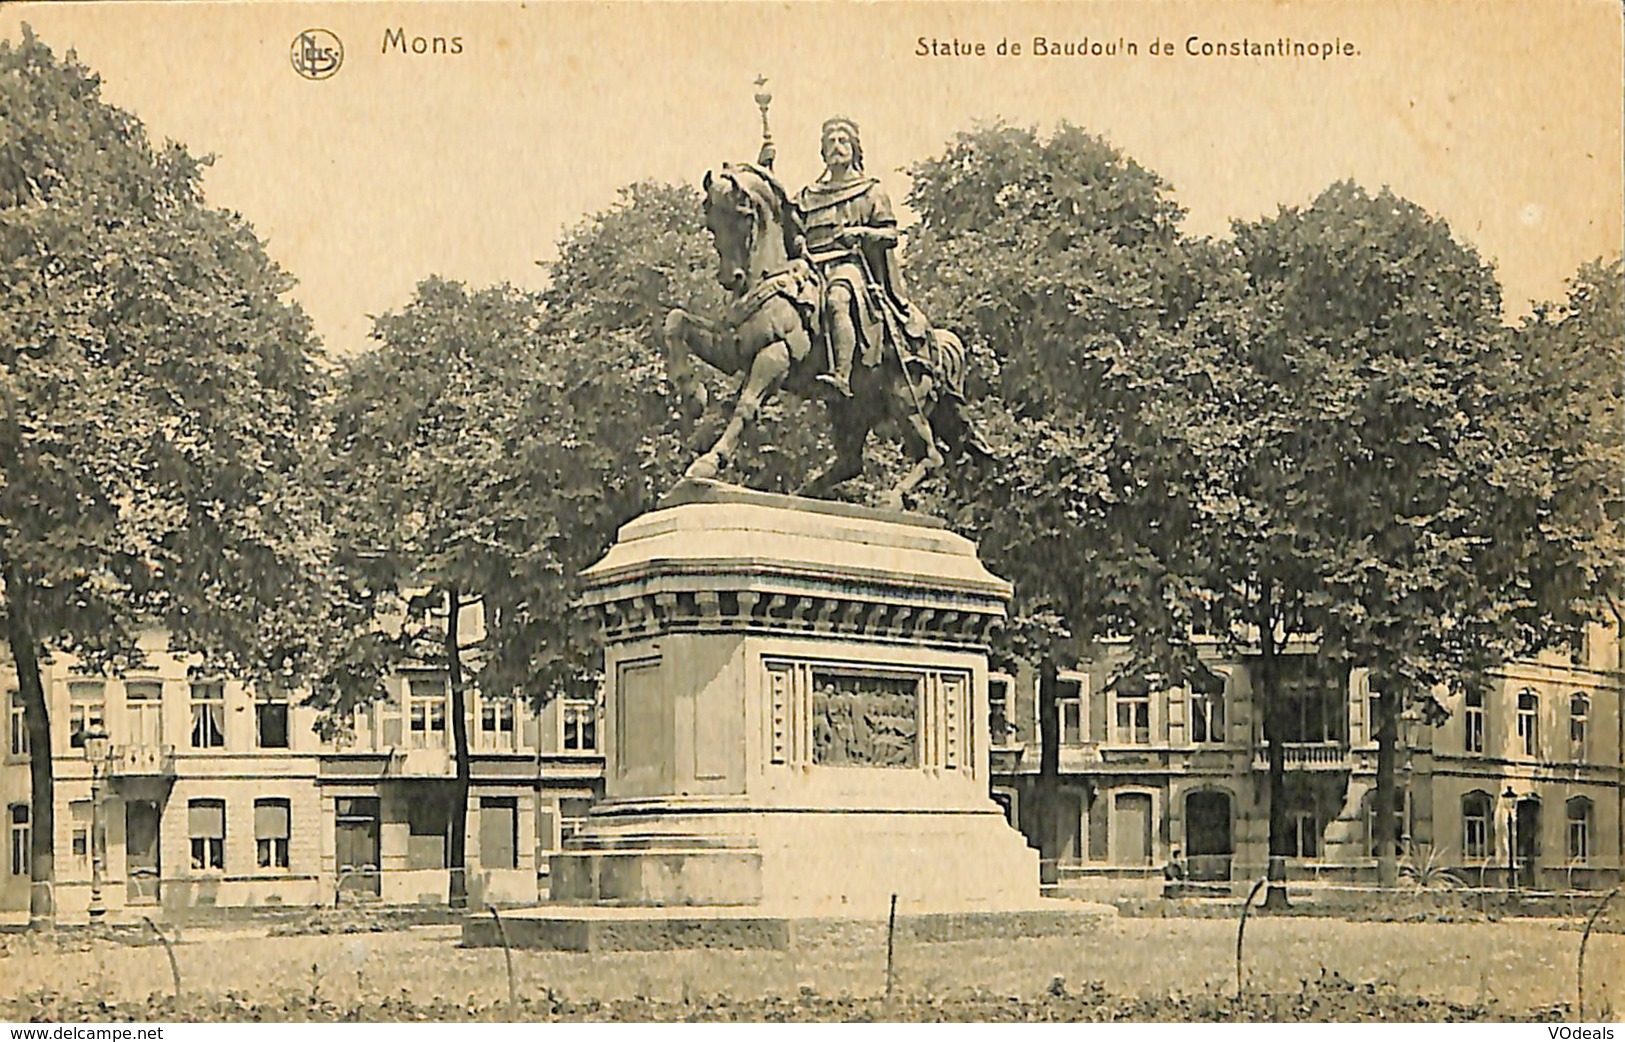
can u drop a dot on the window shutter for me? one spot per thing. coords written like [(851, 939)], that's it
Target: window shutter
[(207, 819), (270, 819), (1177, 699)]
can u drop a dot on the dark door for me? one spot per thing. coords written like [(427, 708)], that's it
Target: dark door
[(142, 870), (355, 844), (1207, 836), (1528, 839)]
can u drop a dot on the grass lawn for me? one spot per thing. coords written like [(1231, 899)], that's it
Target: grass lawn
[(1511, 968)]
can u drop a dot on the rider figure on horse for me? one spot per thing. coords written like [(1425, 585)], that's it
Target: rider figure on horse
[(850, 239)]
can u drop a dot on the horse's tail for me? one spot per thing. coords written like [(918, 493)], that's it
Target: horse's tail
[(943, 355)]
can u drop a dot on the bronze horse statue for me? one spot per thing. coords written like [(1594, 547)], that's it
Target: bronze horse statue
[(771, 334)]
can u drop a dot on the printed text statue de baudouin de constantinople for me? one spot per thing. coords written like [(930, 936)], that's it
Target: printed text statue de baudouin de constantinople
[(817, 307)]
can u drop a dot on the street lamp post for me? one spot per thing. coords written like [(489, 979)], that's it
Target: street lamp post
[(1511, 800), (96, 749)]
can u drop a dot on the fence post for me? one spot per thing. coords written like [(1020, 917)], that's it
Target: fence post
[(507, 957), (891, 936), (1580, 964), (169, 949), (1241, 928)]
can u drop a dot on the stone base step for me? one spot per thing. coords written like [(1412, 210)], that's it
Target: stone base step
[(595, 929)]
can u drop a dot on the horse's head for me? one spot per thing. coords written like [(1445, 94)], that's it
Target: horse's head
[(744, 212)]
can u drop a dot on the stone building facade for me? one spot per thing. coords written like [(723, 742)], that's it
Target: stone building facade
[(216, 792), (1526, 772)]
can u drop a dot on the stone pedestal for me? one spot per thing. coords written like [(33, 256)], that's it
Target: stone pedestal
[(796, 714)]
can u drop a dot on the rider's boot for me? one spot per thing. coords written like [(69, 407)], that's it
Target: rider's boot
[(838, 377)]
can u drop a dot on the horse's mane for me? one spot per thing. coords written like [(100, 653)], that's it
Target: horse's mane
[(775, 202)]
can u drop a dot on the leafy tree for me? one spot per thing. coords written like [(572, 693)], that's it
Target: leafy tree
[(1453, 509), (427, 432), (158, 401), (1059, 261)]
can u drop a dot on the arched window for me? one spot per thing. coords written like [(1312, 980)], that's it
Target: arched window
[(1579, 828), (1473, 721), (1476, 824), (1529, 722), (1579, 711)]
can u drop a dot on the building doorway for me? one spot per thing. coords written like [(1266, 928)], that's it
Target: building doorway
[(1131, 828), (355, 844), (1209, 844), (143, 870)]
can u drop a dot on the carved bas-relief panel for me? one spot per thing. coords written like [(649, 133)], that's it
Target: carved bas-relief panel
[(865, 721), (824, 715)]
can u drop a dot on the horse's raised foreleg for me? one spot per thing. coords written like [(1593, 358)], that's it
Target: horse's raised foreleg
[(686, 336), (767, 370), (919, 441)]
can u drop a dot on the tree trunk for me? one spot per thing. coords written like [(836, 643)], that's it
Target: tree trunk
[(1048, 785), (1275, 898), (1387, 744), (25, 652), (456, 845)]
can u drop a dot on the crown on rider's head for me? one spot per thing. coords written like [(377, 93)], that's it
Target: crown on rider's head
[(849, 125), (851, 128)]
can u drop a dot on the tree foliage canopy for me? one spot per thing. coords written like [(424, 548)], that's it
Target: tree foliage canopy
[(158, 392)]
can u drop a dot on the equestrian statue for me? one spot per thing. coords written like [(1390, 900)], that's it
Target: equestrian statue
[(817, 308)]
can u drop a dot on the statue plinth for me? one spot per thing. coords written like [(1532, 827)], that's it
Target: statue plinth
[(796, 713)]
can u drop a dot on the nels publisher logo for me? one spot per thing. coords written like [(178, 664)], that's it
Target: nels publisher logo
[(316, 54)]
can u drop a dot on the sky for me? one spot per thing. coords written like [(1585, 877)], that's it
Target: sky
[(1502, 117)]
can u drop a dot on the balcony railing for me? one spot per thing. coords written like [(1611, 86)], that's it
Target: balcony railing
[(1325, 756), (136, 761)]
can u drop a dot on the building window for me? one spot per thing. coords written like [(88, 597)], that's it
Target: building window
[(19, 724), (1579, 828), (578, 718), (19, 839), (206, 825), (1529, 723), (426, 700), (79, 817), (1579, 712), (1207, 717), (1071, 694), (87, 710), (499, 832), (271, 719), (1476, 808), (1133, 716), (271, 828), (1473, 721), (999, 727), (144, 712), (428, 832), (498, 730), (208, 714)]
